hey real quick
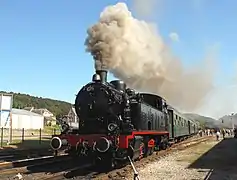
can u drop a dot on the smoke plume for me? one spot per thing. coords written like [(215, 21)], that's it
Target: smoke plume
[(146, 8), (134, 52)]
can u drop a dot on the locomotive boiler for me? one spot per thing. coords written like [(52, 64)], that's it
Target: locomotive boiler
[(116, 122)]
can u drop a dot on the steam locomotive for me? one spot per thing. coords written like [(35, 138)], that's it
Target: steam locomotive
[(117, 122)]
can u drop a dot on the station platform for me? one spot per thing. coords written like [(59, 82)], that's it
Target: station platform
[(220, 161)]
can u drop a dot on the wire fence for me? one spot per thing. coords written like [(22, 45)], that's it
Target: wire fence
[(17, 136)]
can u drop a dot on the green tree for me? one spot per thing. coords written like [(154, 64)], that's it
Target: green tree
[(58, 108)]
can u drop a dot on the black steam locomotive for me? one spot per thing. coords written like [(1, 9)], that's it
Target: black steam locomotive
[(116, 122)]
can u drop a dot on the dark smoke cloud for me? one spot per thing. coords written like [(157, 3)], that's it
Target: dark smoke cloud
[(134, 51)]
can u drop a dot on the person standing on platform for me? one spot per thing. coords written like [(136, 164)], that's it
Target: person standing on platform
[(218, 135), (223, 133)]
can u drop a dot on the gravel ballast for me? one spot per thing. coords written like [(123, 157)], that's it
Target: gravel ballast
[(208, 160)]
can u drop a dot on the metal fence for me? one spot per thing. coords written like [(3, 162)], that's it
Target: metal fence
[(17, 136)]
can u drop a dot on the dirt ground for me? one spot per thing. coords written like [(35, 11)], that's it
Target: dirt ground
[(210, 160), (221, 161)]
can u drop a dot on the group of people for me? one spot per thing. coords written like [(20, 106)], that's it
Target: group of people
[(223, 132), (218, 132)]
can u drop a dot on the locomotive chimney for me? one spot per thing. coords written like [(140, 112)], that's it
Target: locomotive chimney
[(100, 69), (103, 75)]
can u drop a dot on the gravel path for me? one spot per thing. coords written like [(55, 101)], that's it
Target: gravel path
[(208, 160)]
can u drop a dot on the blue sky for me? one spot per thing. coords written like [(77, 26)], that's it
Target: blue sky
[(42, 48)]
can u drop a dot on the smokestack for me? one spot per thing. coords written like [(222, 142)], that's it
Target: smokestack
[(103, 75)]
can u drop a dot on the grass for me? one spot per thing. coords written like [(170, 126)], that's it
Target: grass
[(32, 141), (48, 130), (28, 144)]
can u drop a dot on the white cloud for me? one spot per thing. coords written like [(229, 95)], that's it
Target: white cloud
[(174, 36)]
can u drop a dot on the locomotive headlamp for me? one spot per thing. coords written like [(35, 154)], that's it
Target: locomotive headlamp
[(56, 143), (112, 126), (102, 145)]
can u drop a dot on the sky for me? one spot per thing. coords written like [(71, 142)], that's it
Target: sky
[(42, 51)]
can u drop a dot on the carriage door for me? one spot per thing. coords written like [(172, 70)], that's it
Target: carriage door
[(189, 128), (171, 123)]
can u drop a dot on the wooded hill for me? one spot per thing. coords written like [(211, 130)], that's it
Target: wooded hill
[(203, 120), (57, 107), (224, 122)]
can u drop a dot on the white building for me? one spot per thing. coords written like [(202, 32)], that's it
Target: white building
[(25, 119), (50, 119), (72, 118), (45, 112)]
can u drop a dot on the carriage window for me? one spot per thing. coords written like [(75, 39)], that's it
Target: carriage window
[(161, 123), (163, 104), (158, 104)]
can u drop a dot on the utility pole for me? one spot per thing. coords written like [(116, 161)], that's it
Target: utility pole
[(232, 122), (10, 131), (1, 110), (6, 102)]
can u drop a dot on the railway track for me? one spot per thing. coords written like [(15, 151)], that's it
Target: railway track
[(13, 155), (86, 171), (124, 171), (83, 171), (64, 167), (26, 165), (22, 151)]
